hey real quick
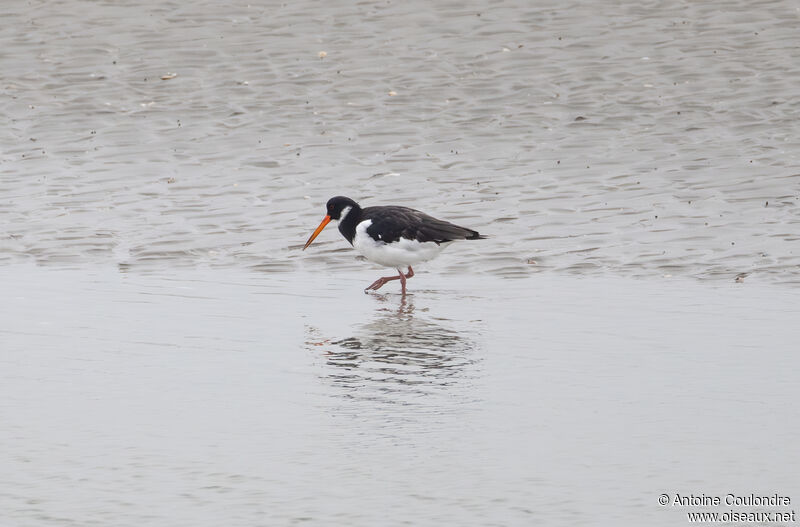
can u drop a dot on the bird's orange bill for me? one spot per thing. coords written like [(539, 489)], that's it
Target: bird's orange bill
[(322, 225)]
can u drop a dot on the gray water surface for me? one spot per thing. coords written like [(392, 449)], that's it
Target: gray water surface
[(228, 398)]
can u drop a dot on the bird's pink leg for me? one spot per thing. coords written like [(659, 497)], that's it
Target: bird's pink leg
[(380, 282)]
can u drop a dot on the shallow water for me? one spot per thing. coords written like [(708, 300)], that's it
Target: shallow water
[(228, 397), (169, 355)]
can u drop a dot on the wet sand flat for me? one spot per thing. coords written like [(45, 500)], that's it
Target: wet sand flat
[(229, 397), (637, 139)]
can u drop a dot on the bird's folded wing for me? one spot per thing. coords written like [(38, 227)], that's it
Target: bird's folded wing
[(394, 223)]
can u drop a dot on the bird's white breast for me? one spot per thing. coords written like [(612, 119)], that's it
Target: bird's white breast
[(400, 253)]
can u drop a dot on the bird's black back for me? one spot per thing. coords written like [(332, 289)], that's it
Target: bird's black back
[(394, 222)]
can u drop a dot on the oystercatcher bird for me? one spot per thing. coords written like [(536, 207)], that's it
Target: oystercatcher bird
[(391, 236)]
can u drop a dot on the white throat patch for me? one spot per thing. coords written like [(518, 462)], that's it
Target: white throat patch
[(345, 212)]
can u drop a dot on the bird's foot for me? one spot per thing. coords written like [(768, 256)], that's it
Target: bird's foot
[(380, 282)]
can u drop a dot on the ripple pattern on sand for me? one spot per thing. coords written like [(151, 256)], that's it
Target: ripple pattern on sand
[(635, 139)]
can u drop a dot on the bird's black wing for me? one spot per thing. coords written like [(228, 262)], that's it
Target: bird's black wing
[(392, 223)]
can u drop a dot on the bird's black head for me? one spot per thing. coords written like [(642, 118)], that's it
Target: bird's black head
[(336, 208), (338, 204)]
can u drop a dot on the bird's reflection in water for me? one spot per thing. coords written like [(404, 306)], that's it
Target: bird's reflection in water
[(397, 356)]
